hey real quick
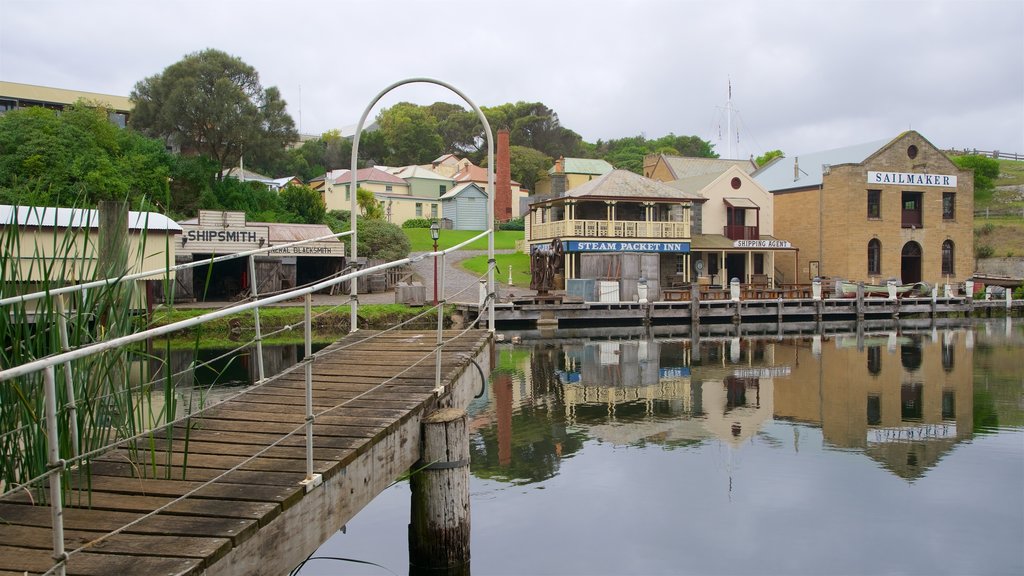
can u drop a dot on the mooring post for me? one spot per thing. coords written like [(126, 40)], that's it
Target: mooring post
[(860, 301), (439, 518), (694, 310)]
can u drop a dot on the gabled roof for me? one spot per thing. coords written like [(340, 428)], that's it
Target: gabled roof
[(246, 175), (53, 217), (694, 184), (626, 184), (460, 188), (474, 173), (687, 167), (805, 170), (415, 171), (373, 174), (594, 166)]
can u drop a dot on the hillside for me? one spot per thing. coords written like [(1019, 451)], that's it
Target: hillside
[(999, 222)]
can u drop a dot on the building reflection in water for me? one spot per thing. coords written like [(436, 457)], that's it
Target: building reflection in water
[(903, 399)]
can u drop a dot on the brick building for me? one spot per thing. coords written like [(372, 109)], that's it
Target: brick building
[(892, 209)]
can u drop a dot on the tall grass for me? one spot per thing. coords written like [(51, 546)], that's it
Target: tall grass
[(113, 392)]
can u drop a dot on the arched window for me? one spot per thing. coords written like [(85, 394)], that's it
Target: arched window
[(947, 258), (874, 257)]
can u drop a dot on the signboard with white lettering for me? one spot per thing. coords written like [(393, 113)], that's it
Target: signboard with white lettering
[(313, 249), (197, 239), (912, 179), (762, 244), (621, 246)]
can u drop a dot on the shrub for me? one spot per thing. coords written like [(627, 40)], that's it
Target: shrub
[(984, 251), (417, 223), (513, 224)]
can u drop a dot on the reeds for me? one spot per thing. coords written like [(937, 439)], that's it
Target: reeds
[(107, 396)]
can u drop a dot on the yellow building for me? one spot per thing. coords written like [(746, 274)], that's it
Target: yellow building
[(620, 212), (892, 209), (14, 95)]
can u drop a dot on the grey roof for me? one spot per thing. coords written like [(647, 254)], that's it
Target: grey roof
[(286, 232), (247, 175), (687, 167), (459, 188), (778, 174), (415, 171), (52, 217), (626, 184), (694, 184)]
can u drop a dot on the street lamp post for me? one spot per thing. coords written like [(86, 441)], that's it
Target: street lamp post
[(435, 232)]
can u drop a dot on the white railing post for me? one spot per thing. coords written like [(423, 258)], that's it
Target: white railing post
[(256, 319), (69, 383), (438, 389), (312, 480), (56, 466)]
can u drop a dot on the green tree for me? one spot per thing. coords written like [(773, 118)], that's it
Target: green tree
[(768, 157), (304, 203), (78, 157), (213, 103), (409, 134), (379, 239), (534, 125), (986, 170), (528, 165), (368, 204)]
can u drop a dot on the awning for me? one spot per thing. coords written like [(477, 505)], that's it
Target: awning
[(740, 203)]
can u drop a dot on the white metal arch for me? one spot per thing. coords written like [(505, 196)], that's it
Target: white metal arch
[(353, 209)]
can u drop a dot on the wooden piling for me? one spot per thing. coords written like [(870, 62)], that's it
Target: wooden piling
[(439, 525)]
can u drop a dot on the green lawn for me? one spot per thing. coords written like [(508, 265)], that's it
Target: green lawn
[(421, 241), (519, 262)]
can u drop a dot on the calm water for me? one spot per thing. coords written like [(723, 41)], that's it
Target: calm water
[(885, 454)]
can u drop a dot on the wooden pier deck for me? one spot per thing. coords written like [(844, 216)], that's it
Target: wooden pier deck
[(258, 518)]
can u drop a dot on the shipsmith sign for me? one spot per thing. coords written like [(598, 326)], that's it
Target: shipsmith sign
[(616, 246), (912, 179), (219, 239), (762, 244)]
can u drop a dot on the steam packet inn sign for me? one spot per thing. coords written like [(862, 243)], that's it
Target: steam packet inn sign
[(625, 246)]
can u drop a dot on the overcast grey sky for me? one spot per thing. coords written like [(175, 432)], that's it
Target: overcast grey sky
[(806, 75)]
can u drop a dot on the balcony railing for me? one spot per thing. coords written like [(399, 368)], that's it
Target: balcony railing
[(740, 232), (610, 229)]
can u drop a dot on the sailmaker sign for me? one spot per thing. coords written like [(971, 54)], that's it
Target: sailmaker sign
[(912, 179)]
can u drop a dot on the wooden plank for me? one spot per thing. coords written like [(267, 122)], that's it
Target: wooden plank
[(283, 495), (130, 544), (91, 564), (235, 529), (98, 500)]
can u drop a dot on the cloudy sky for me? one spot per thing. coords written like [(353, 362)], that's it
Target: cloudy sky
[(805, 75)]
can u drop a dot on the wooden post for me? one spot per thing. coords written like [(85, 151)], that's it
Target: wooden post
[(694, 310), (860, 301), (439, 525)]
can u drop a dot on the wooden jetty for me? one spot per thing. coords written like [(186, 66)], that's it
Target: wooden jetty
[(567, 314), (258, 518)]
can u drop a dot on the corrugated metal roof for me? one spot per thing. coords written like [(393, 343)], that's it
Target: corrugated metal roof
[(415, 171), (53, 217), (459, 188), (585, 166), (280, 233), (805, 170), (687, 167), (626, 184)]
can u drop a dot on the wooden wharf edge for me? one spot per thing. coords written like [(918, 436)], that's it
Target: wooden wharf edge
[(258, 519)]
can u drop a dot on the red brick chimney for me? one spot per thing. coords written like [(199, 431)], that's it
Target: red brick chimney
[(503, 179)]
